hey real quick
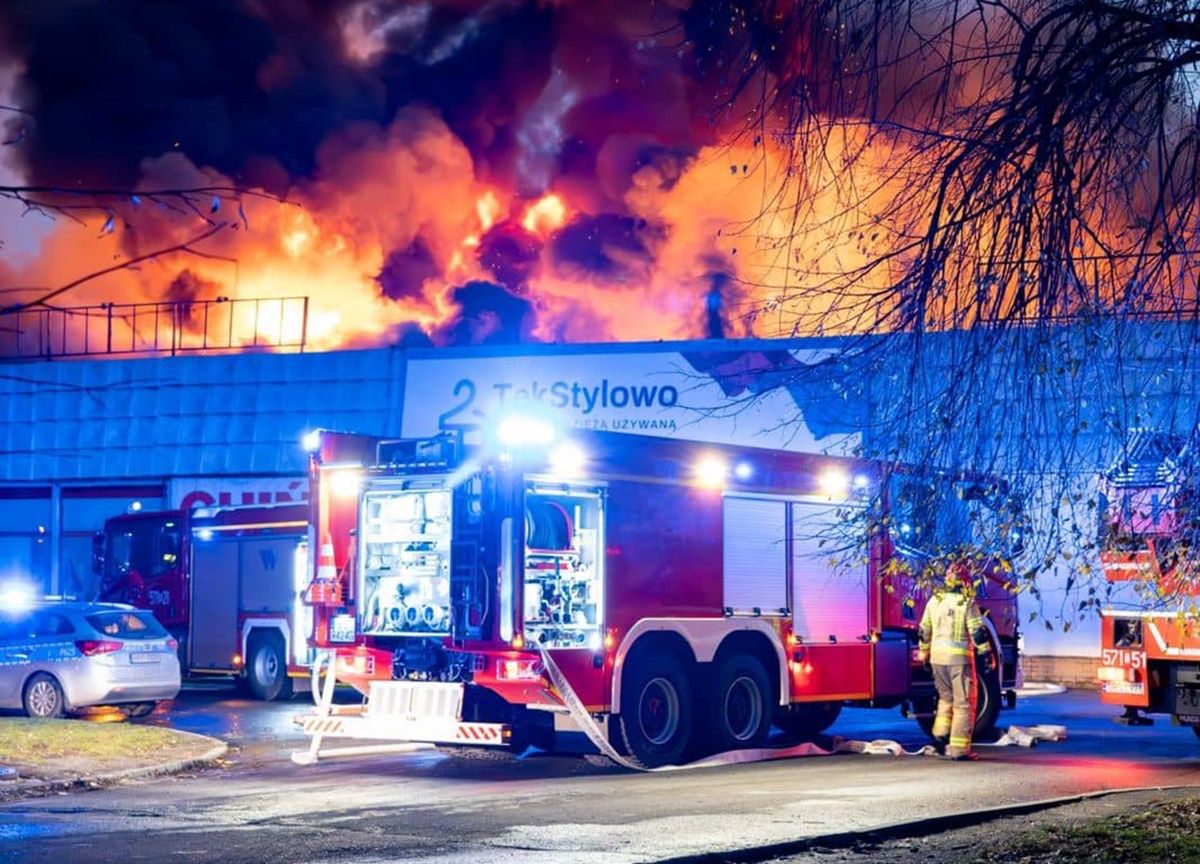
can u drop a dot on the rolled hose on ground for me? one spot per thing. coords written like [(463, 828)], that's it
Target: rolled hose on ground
[(1021, 736)]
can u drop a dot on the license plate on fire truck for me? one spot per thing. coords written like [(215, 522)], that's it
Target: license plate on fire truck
[(341, 628), (1187, 703)]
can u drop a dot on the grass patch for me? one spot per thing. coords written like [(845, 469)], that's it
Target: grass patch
[(1164, 833), (53, 749)]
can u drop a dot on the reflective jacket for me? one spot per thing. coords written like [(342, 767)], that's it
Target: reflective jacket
[(949, 625)]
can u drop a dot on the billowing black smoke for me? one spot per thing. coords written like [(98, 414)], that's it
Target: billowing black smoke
[(575, 95)]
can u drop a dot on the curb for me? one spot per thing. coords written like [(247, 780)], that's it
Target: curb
[(902, 830), (19, 789)]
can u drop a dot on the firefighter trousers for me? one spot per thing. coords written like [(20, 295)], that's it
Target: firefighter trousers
[(955, 706)]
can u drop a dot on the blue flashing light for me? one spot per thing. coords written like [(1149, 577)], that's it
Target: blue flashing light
[(743, 470), (17, 596), (204, 534)]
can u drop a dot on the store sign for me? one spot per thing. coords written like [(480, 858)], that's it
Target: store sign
[(723, 397), (188, 492)]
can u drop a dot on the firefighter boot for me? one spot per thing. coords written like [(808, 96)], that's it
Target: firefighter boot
[(939, 744)]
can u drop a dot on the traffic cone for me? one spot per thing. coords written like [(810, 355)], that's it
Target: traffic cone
[(326, 569)]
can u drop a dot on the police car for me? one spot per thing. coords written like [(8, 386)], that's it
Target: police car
[(56, 657)]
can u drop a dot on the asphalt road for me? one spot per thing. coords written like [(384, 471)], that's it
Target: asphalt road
[(437, 808)]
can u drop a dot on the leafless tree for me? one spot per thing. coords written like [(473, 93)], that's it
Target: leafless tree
[(1017, 180)]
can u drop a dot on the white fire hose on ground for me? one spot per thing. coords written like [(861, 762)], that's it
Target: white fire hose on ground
[(1020, 736)]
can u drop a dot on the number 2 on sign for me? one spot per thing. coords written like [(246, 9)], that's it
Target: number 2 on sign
[(464, 390)]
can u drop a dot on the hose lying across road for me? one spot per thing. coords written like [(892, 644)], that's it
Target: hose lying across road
[(1020, 736)]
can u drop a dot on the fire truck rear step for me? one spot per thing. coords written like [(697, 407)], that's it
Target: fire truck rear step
[(414, 714)]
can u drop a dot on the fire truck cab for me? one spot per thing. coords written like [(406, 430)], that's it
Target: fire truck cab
[(687, 595), (225, 581)]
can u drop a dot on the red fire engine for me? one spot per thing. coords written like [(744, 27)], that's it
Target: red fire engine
[(1150, 648), (682, 592), (225, 581)]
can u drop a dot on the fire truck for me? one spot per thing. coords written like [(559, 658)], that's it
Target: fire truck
[(1150, 636), (226, 582), (683, 596)]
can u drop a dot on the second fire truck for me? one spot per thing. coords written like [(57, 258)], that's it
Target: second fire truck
[(1150, 638), (687, 595), (225, 581)]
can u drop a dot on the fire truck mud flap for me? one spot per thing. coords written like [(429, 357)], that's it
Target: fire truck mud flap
[(1018, 736)]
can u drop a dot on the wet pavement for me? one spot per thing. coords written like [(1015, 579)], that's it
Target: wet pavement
[(438, 808)]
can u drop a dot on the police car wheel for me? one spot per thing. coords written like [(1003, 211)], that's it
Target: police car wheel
[(43, 697)]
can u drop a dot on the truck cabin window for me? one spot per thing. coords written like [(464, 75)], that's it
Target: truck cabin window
[(146, 547), (934, 516)]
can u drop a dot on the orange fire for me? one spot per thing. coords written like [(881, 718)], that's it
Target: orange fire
[(545, 215)]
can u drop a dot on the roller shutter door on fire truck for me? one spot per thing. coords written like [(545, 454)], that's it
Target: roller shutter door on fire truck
[(755, 555), (830, 599)]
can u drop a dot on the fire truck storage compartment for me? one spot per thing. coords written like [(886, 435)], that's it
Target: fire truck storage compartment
[(252, 575), (564, 566), (404, 558), (830, 585), (755, 555)]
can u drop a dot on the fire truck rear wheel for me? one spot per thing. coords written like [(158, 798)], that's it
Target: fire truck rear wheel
[(807, 720), (738, 714), (656, 710), (987, 706), (266, 669)]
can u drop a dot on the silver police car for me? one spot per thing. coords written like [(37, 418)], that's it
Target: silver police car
[(59, 656)]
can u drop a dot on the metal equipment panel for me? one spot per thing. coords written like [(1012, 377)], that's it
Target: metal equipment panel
[(267, 577), (830, 596), (213, 633), (755, 555)]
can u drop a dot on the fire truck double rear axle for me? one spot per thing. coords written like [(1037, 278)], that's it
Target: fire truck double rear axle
[(683, 592)]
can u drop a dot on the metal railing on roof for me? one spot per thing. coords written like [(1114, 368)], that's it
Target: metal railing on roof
[(164, 328)]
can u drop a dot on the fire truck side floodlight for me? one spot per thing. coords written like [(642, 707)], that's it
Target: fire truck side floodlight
[(834, 482), (522, 430), (311, 441), (204, 534), (712, 472)]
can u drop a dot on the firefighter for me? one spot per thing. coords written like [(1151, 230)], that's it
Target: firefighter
[(951, 633)]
